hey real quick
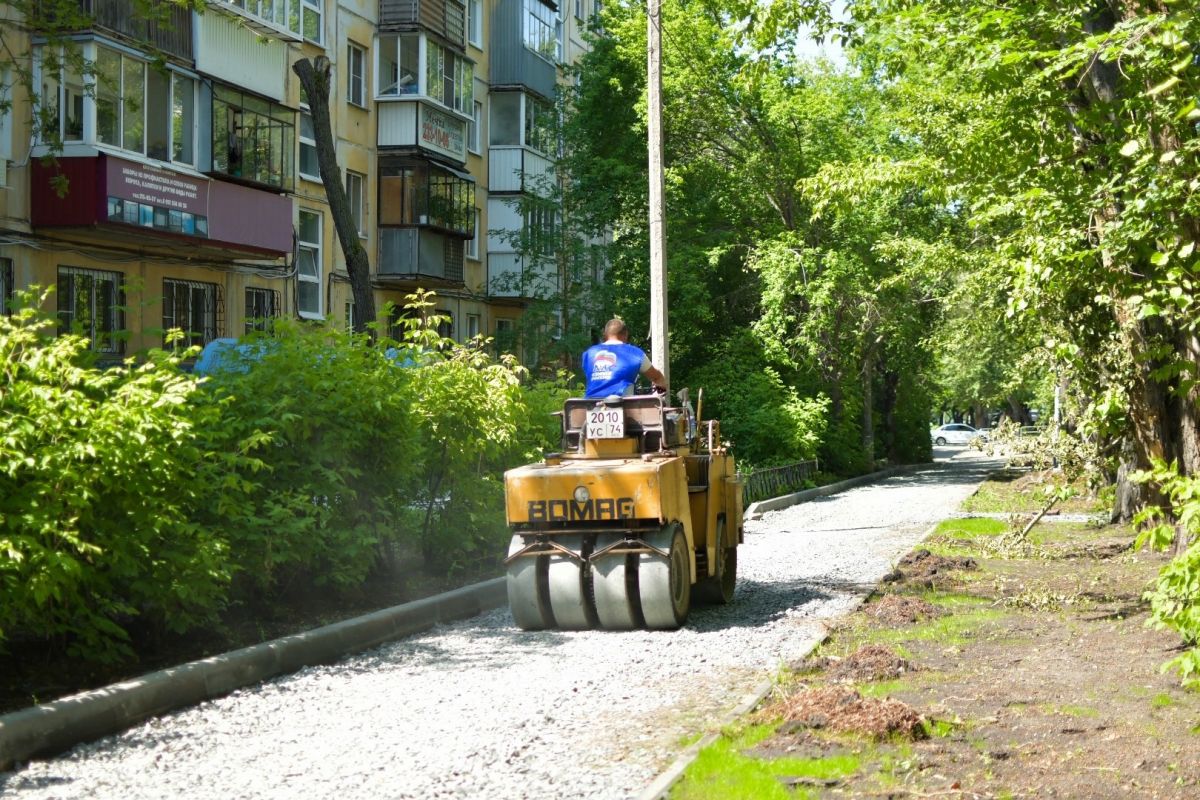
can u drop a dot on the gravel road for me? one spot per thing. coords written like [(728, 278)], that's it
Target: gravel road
[(481, 710)]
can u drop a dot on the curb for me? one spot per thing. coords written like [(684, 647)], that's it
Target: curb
[(51, 728), (756, 510), (660, 787)]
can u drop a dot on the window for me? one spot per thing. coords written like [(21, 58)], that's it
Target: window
[(253, 139), (351, 316), (579, 14), (540, 34), (473, 128), (504, 124), (139, 107), (160, 218), (6, 286), (540, 228), (475, 22), (356, 75), (506, 336), (473, 242), (304, 18), (419, 194), (449, 78), (262, 306), (445, 326), (89, 303), (193, 308), (310, 168), (472, 326), (356, 192), (272, 11), (397, 70), (308, 265), (6, 108), (540, 133)]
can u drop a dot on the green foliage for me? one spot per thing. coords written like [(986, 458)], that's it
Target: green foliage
[(330, 450), (309, 459), (1175, 596), (96, 491), (769, 422)]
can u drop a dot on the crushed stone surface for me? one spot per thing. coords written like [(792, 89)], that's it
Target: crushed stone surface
[(482, 709)]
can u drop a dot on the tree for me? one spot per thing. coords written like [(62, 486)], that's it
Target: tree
[(1084, 168), (314, 77)]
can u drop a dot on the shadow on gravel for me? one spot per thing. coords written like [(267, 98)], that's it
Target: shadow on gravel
[(757, 604)]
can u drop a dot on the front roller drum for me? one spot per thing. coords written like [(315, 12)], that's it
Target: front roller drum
[(527, 596), (664, 584), (614, 586), (569, 583)]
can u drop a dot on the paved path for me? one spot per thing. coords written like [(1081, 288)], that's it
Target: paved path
[(482, 710)]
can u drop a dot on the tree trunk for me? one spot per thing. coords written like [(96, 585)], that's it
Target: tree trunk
[(314, 77), (868, 409), (887, 404), (980, 415), (1130, 496)]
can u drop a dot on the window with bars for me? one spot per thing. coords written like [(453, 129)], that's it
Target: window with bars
[(90, 304), (194, 308), (262, 306)]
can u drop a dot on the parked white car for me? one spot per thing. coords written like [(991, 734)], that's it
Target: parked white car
[(956, 433)]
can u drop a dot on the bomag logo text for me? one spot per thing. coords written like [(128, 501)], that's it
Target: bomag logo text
[(594, 510)]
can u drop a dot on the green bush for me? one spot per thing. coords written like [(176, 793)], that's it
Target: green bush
[(325, 426), (1175, 596), (767, 421), (96, 492)]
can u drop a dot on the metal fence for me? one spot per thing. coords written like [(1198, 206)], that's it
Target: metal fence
[(776, 481)]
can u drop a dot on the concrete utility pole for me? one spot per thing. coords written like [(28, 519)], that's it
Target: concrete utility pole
[(660, 352)]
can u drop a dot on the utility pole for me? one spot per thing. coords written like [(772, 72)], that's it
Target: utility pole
[(660, 352)]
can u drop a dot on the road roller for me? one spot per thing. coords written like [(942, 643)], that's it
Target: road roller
[(637, 515)]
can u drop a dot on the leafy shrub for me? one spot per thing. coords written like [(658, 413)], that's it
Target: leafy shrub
[(96, 494), (326, 426), (1175, 596), (767, 421)]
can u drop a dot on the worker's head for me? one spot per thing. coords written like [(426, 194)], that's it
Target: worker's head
[(616, 329)]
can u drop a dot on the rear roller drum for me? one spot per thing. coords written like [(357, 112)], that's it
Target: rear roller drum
[(718, 587), (611, 576), (665, 584), (569, 580), (530, 611)]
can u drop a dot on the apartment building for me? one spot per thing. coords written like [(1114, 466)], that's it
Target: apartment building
[(186, 193)]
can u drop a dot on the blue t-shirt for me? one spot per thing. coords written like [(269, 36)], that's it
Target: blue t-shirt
[(612, 368)]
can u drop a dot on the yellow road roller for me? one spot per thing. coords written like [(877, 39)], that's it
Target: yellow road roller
[(639, 512)]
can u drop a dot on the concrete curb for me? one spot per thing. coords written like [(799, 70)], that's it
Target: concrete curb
[(756, 510), (660, 787), (54, 727)]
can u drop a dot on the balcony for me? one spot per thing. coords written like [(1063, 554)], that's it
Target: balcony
[(446, 18), (517, 169), (170, 33), (420, 255), (516, 276), (129, 202), (516, 60)]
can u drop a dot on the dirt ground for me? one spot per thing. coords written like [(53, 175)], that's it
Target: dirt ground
[(1039, 679)]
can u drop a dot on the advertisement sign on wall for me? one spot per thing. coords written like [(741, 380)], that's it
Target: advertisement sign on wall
[(442, 133)]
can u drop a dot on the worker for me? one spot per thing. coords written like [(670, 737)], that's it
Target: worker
[(612, 366)]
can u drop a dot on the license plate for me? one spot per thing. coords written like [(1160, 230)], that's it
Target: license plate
[(605, 423)]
